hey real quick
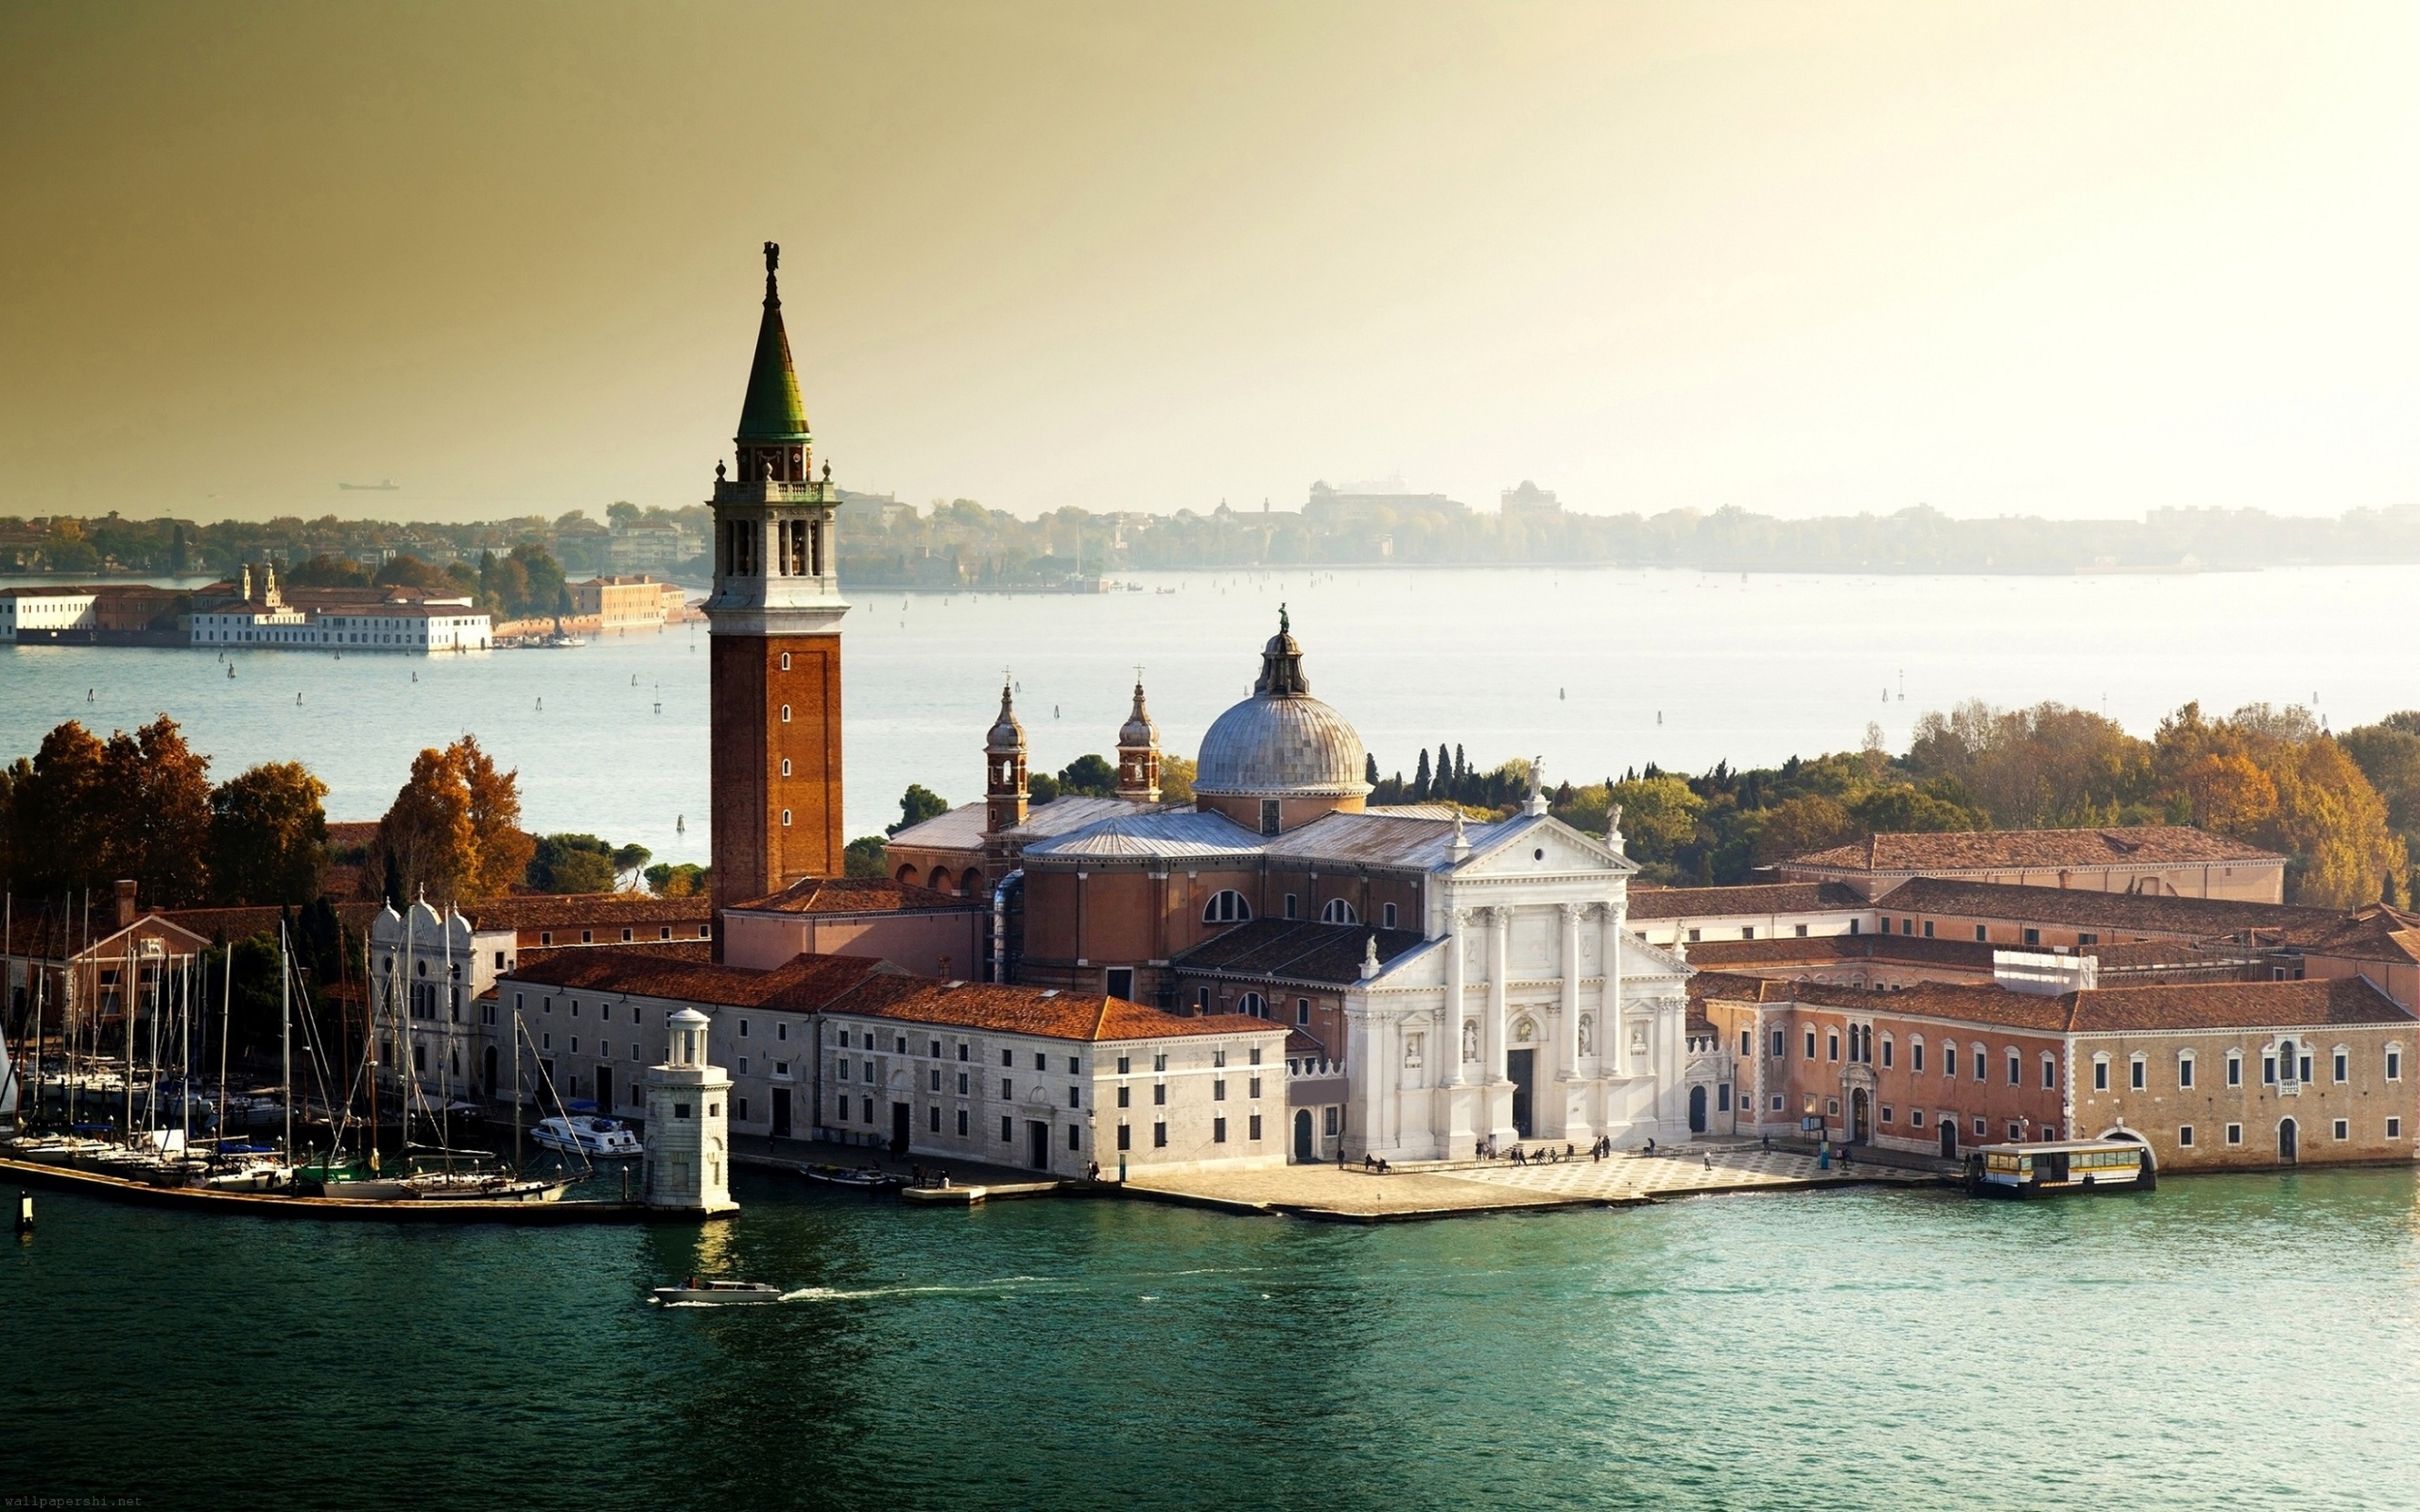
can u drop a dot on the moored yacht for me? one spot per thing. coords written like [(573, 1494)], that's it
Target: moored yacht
[(587, 1134)]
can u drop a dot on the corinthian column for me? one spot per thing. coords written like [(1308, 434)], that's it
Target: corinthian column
[(1568, 1053), (1450, 1050), (1494, 1028)]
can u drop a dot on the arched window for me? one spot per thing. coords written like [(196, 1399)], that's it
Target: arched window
[(906, 874), (1254, 1005), (1339, 912), (1226, 906), (972, 885)]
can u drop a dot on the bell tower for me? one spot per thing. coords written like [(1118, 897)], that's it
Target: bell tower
[(775, 642), (1138, 753), (1004, 794)]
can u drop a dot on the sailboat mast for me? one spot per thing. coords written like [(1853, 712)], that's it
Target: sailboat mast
[(516, 1089), (404, 1076), (126, 1028), (286, 1039), (226, 1024)]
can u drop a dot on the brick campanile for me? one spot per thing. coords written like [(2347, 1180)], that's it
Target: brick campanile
[(775, 642)]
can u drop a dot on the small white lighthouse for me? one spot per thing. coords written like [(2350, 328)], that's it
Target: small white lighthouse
[(689, 1150)]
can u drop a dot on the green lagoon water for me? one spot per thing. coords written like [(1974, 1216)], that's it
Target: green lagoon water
[(2228, 1341)]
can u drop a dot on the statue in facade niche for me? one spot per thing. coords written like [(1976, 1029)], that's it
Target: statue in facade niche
[(1470, 1039), (1410, 1050), (1588, 1035)]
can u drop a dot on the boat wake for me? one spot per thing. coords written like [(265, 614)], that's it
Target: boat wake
[(991, 1288)]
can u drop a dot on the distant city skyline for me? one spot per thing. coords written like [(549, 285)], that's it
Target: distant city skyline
[(2079, 262)]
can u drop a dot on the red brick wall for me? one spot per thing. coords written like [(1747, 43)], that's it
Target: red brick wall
[(754, 853)]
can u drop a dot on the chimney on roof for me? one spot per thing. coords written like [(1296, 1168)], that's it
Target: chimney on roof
[(125, 901)]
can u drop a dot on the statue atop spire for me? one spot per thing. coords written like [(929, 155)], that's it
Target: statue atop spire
[(773, 411), (1281, 663), (1138, 753)]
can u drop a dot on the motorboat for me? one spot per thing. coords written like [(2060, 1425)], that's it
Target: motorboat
[(587, 1134), (695, 1293), (864, 1179)]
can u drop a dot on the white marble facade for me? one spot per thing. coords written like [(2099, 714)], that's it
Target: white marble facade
[(1556, 1022)]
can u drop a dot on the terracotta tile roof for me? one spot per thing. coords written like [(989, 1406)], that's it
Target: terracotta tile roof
[(806, 984), (1037, 1011), (595, 910), (857, 895), (1822, 949), (2314, 1001), (2086, 908), (242, 923), (348, 835), (2107, 1010), (2375, 932), (1991, 850), (1296, 951), (1760, 898)]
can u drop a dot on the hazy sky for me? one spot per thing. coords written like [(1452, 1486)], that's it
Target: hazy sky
[(2072, 259)]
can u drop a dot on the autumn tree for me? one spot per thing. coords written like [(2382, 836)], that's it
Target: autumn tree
[(268, 835), (84, 813), (2332, 825), (1176, 778), (453, 831), (572, 863)]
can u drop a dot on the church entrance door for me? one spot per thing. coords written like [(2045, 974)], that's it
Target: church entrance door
[(2285, 1139), (604, 1090), (780, 1112), (1697, 1109), (1037, 1140), (1522, 1066), (1305, 1150), (900, 1113), (1948, 1137), (1860, 1117)]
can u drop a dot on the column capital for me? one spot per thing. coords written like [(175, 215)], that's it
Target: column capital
[(1572, 911)]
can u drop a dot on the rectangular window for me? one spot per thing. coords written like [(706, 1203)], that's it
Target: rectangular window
[(1074, 1136), (1927, 929), (1200, 1000), (1723, 1098), (2235, 1071), (1810, 1044), (1008, 1128), (2393, 1061), (1159, 1094), (1125, 1064), (2235, 1133), (1747, 1042), (2185, 1072), (1982, 934), (1125, 1137), (962, 1050), (936, 1075), (2100, 1075), (1007, 1090), (1916, 1056), (1915, 1118), (1007, 1057), (1218, 1089), (2049, 1073), (1041, 1062), (961, 1084), (2015, 1075), (936, 1121), (1074, 1097), (1886, 1052), (961, 1123), (2341, 1130), (1777, 1044), (1386, 916), (1125, 1097), (1332, 1119), (1159, 1136), (1301, 1010), (1254, 1090), (1160, 1061), (2137, 1074), (2341, 1068), (1749, 933), (1776, 1102), (2015, 1130), (1255, 1125), (1832, 1045), (2269, 1071), (2395, 1128), (1886, 1112), (1978, 1128), (1217, 1132), (2185, 1136), (1949, 1061), (1801, 932), (1291, 905)]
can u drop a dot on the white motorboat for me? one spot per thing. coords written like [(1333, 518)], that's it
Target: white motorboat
[(696, 1293), (602, 1139)]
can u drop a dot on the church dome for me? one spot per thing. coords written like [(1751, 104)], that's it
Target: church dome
[(1281, 741)]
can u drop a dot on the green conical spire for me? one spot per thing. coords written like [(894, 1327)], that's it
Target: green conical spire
[(772, 410)]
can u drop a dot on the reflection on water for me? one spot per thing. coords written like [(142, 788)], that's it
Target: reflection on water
[(2224, 1341)]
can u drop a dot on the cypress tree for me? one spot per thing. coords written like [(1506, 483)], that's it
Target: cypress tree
[(1444, 771), (1370, 770), (1420, 778)]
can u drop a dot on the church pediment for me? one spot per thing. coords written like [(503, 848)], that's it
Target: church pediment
[(1541, 846)]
